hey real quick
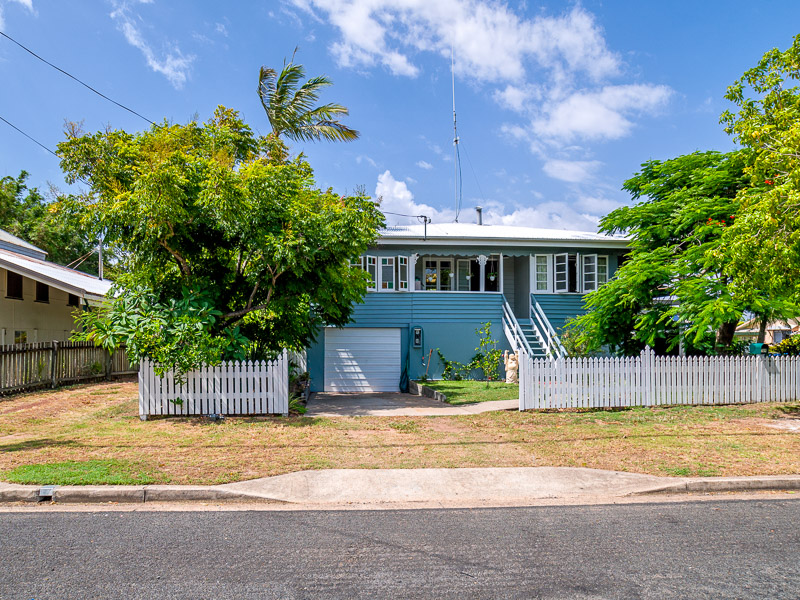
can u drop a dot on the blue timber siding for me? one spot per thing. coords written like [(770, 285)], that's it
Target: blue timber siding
[(559, 308), (448, 321)]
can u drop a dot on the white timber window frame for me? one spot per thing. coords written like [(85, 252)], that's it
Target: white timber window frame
[(542, 274), (357, 263), (386, 274), (371, 267), (561, 273), (602, 270), (588, 272), (402, 273)]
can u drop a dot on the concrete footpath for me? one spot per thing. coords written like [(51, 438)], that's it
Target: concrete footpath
[(387, 486)]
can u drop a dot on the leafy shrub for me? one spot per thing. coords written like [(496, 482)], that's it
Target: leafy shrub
[(790, 345)]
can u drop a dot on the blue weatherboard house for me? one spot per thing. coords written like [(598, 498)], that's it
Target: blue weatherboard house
[(434, 285)]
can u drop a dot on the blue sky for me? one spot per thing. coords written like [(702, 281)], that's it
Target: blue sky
[(558, 103)]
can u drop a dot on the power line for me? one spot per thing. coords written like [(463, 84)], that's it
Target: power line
[(386, 212), (474, 174), (38, 143), (35, 141), (86, 85)]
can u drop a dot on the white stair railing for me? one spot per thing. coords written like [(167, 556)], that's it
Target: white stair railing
[(553, 347), (514, 334)]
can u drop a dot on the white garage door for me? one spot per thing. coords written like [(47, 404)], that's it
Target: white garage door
[(360, 359)]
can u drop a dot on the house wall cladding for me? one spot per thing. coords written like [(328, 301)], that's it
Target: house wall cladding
[(559, 308), (448, 322), (41, 321)]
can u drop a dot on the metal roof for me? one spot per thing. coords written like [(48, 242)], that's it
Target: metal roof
[(62, 278), (12, 242), (497, 233)]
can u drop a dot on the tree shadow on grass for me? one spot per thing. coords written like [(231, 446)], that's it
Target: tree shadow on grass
[(37, 444), (292, 421)]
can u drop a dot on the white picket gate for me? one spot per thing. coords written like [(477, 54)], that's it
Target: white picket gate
[(230, 388), (650, 380)]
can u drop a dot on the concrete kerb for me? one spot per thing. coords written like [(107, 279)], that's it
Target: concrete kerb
[(406, 485), (89, 494), (708, 485), (420, 389)]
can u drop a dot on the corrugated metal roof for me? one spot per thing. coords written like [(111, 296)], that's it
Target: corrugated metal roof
[(472, 231), (68, 280), (26, 248)]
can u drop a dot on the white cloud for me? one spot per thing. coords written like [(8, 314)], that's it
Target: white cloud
[(221, 29), (547, 215), (515, 97), (572, 171), (26, 3), (492, 42), (422, 164), (598, 115), (396, 197), (597, 205), (556, 67), (364, 158), (173, 64)]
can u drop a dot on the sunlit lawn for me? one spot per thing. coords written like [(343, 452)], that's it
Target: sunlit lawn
[(467, 391), (92, 434)]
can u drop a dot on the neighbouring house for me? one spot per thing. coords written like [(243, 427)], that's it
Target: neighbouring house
[(37, 297), (776, 331), (432, 286)]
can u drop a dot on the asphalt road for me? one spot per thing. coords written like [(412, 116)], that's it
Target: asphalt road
[(725, 549)]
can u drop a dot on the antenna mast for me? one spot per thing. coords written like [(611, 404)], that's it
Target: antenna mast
[(456, 157)]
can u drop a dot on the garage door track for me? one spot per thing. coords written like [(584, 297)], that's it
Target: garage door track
[(393, 404)]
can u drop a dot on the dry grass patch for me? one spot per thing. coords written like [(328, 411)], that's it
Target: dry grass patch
[(100, 422)]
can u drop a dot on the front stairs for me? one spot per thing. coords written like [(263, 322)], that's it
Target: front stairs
[(534, 341)]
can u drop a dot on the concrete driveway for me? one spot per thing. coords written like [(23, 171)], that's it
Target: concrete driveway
[(393, 404)]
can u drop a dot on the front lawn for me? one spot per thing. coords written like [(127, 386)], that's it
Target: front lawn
[(467, 391), (92, 434)]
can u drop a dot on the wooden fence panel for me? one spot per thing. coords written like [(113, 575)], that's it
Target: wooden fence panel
[(25, 367), (649, 380), (230, 388)]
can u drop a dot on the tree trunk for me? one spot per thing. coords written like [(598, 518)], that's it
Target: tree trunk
[(762, 329), (725, 335)]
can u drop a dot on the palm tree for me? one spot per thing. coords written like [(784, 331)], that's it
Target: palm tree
[(290, 106)]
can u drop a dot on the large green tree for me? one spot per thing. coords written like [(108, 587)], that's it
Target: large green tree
[(764, 244), (27, 214), (223, 250), (291, 106), (674, 284)]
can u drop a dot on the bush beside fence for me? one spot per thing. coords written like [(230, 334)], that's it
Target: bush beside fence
[(25, 367), (650, 380), (230, 388)]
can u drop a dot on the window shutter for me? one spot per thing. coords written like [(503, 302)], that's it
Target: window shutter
[(372, 271), (402, 273), (561, 273), (589, 272), (602, 270), (542, 273)]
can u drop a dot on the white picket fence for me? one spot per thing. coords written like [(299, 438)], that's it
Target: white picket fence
[(650, 380), (230, 388)]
